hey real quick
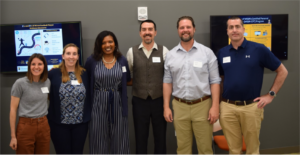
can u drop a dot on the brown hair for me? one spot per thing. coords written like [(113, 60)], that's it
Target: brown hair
[(235, 17), (44, 75), (186, 17), (78, 69)]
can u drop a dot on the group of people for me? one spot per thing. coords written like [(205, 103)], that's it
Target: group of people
[(94, 98)]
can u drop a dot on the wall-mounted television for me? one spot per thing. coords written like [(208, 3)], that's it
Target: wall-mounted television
[(19, 41), (270, 30)]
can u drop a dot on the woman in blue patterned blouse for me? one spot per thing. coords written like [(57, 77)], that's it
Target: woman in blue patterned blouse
[(70, 109)]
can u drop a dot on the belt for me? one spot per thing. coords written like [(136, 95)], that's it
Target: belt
[(110, 101), (192, 102), (238, 102), (31, 120), (106, 89)]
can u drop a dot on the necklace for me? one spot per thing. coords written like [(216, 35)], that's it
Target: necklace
[(108, 62)]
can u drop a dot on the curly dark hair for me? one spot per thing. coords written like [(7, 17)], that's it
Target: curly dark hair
[(98, 52)]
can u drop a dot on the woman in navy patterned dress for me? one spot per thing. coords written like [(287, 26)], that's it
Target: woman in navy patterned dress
[(107, 69), (70, 107)]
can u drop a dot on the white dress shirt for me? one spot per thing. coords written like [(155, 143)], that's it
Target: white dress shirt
[(147, 53)]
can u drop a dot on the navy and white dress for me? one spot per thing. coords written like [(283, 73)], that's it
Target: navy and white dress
[(108, 128)]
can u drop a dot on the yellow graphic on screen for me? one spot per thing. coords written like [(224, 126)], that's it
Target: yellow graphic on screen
[(260, 33)]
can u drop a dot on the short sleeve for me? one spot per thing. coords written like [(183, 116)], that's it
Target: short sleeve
[(269, 60), (48, 83), (16, 89)]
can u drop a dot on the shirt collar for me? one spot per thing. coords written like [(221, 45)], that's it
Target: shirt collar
[(180, 48), (154, 46), (243, 44)]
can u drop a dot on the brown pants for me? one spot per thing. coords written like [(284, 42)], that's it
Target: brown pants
[(33, 136)]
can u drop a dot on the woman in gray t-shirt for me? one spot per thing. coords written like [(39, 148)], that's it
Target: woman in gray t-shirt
[(29, 95)]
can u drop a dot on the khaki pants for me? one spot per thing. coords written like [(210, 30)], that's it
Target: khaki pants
[(33, 136), (189, 119), (238, 121)]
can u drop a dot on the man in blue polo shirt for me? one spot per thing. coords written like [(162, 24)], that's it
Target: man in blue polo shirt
[(241, 66)]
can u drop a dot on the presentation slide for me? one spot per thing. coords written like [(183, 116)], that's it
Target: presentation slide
[(34, 39), (45, 39), (258, 29)]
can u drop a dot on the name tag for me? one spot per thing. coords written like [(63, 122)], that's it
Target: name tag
[(226, 60), (75, 82), (123, 69), (198, 64), (156, 59), (45, 90)]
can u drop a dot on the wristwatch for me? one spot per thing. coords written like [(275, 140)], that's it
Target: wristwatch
[(272, 93)]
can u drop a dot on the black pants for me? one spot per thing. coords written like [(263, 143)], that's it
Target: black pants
[(143, 112), (68, 138)]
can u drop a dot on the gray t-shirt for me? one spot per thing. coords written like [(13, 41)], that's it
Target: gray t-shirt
[(33, 102)]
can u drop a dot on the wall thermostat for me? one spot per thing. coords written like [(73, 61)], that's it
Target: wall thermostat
[(142, 13)]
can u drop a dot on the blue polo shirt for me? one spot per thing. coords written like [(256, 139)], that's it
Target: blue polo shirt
[(243, 69)]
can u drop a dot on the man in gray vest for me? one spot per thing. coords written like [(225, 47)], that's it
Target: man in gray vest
[(146, 64)]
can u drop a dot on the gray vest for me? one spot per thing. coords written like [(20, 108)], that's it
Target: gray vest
[(147, 76)]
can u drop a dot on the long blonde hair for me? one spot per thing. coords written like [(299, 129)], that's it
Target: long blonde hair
[(78, 69)]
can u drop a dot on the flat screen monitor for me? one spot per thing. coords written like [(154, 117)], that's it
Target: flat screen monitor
[(19, 41), (270, 30)]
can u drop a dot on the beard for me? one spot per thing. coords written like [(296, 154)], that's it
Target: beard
[(186, 39), (148, 41)]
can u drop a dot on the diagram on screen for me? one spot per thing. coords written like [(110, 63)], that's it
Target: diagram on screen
[(44, 41), (33, 43), (21, 40)]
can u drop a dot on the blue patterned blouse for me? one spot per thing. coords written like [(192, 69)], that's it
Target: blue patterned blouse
[(72, 101)]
